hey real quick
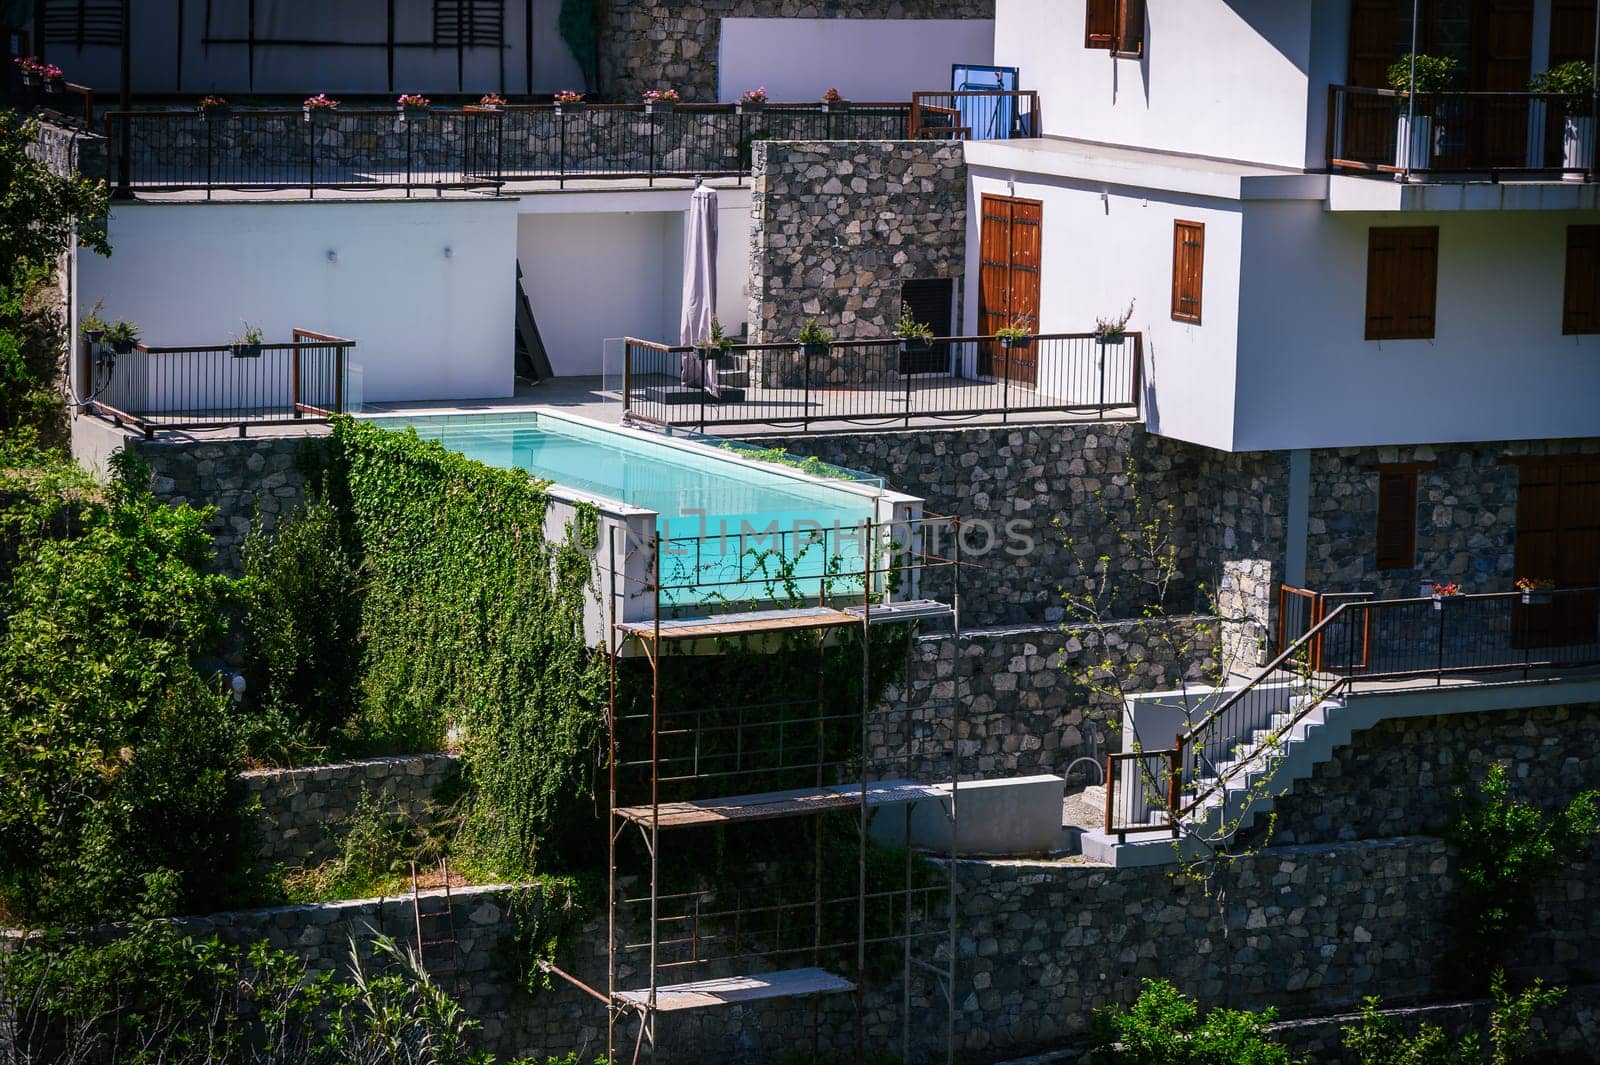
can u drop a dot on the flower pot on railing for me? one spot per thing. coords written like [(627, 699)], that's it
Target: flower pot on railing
[(1016, 343), (1577, 146), (123, 347), (815, 350), (659, 107), (1538, 597), (750, 107), (1115, 337), (243, 350), (836, 107), (1413, 143), (915, 345), (571, 107)]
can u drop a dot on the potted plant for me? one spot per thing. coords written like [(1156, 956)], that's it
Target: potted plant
[(1574, 83), (319, 102), (1434, 73), (92, 327), (568, 102), (814, 340), (122, 336), (1014, 338), (1536, 591), (833, 100), (753, 100), (210, 105), (411, 103), (248, 344), (1113, 330), (1444, 590), (915, 337), (660, 101)]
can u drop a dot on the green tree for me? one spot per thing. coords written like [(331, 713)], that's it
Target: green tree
[(1165, 1027)]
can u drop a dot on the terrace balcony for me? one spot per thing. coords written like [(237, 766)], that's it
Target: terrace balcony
[(1439, 151)]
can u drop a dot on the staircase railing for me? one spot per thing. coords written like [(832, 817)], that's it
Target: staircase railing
[(1454, 638)]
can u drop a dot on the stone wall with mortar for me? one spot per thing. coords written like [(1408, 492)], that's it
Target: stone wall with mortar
[(1027, 708), (68, 149), (1395, 779), (837, 227), (302, 810), (1308, 929), (1466, 516), (651, 44), (1050, 500)]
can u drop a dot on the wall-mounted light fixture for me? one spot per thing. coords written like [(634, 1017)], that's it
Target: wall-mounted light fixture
[(333, 256), (449, 252)]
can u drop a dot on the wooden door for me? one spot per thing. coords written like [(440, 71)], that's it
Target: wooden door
[(1558, 538), (1009, 252), (1502, 58), (1369, 121)]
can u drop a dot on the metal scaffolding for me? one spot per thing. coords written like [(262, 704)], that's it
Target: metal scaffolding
[(674, 768)]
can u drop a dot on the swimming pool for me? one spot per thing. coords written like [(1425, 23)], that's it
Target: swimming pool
[(731, 527)]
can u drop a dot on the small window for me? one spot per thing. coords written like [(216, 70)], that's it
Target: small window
[(1188, 270), (1397, 517), (1115, 25), (1402, 282), (1580, 306)]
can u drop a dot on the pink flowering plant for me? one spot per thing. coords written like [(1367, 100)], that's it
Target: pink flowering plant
[(661, 96), (211, 103), (567, 96), (412, 99), (1447, 588), (34, 67), (492, 99), (321, 102), (757, 95)]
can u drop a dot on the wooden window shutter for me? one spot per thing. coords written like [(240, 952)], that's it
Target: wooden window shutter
[(1402, 282), (1130, 27), (1397, 517), (1100, 24), (1188, 270), (1580, 305)]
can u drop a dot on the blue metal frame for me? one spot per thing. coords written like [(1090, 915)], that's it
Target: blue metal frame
[(989, 118)]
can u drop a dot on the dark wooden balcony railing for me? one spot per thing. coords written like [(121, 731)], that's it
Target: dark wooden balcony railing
[(976, 114), (1460, 132), (218, 385), (876, 382), (471, 147)]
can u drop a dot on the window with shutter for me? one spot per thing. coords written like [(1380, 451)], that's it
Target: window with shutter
[(1188, 269), (1402, 282), (1580, 305), (1115, 25), (1397, 517)]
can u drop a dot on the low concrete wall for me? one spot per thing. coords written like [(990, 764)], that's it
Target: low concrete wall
[(303, 810)]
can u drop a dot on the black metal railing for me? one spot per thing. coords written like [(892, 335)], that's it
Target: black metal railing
[(975, 114), (1382, 131), (472, 147), (882, 381), (1356, 646), (220, 385)]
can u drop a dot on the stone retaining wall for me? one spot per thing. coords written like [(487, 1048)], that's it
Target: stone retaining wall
[(302, 810), (837, 227), (654, 44), (68, 150)]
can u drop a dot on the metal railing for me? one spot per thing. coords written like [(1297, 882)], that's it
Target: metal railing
[(882, 382), (462, 148), (220, 385), (975, 115), (1383, 131), (1359, 645)]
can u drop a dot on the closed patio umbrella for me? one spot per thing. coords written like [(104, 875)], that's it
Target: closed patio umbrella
[(699, 285)]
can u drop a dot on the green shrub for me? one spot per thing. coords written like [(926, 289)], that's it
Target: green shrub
[(1378, 1039), (120, 758), (376, 849), (1506, 849), (302, 636), (1164, 1027), (1434, 73)]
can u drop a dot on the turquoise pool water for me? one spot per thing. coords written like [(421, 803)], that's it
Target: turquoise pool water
[(732, 527)]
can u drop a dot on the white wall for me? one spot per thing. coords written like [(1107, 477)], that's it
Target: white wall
[(223, 67), (1225, 78), (598, 265), (1098, 253), (426, 326), (798, 59), (1498, 368)]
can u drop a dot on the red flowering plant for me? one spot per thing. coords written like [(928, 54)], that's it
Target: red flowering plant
[(832, 96), (320, 102), (1534, 584), (1447, 588), (412, 99), (492, 99), (567, 96), (661, 96), (757, 95), (34, 67), (212, 103)]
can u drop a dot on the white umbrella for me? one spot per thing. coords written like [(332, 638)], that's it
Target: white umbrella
[(699, 285)]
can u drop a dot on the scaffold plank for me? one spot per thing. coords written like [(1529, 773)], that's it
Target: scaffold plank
[(732, 990), (770, 804), (756, 621)]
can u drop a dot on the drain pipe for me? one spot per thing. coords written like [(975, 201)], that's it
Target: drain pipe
[(1411, 94)]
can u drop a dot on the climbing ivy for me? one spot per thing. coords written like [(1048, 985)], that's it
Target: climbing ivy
[(474, 620)]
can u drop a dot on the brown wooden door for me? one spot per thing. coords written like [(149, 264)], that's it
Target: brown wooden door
[(1009, 252), (1496, 134), (1369, 121), (1558, 538)]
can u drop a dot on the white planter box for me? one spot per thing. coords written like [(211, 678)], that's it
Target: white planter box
[(1577, 145), (1413, 143)]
